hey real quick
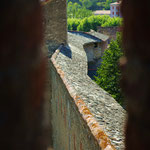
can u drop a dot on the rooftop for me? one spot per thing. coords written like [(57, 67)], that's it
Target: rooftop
[(116, 3), (101, 36), (102, 12), (82, 38)]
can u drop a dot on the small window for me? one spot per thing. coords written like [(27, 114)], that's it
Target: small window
[(113, 13), (95, 45)]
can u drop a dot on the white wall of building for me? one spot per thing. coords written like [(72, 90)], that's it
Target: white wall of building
[(115, 10)]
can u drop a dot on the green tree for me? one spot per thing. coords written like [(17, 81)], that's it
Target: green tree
[(111, 22), (108, 74), (84, 25), (73, 23), (75, 10), (83, 12), (92, 22), (105, 4), (86, 3), (94, 4), (72, 9)]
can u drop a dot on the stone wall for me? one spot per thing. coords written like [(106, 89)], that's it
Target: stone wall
[(55, 33), (69, 128), (84, 116), (93, 52), (110, 31), (55, 21)]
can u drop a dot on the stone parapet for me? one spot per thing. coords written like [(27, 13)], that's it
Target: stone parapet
[(88, 117)]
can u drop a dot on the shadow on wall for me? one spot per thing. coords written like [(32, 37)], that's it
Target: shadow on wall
[(66, 51), (92, 68), (93, 53)]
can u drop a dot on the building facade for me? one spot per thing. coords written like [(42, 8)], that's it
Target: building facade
[(115, 9)]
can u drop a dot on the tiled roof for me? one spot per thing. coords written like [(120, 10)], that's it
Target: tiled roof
[(101, 36), (79, 38)]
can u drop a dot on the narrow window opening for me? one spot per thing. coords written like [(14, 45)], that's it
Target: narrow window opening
[(95, 45)]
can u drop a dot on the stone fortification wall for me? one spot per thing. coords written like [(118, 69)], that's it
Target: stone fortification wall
[(55, 20), (110, 31), (55, 33), (85, 117), (70, 131)]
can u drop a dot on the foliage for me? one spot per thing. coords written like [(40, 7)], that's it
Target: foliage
[(86, 3), (108, 74), (75, 10), (93, 4), (92, 22), (115, 21), (105, 5), (73, 23), (83, 8)]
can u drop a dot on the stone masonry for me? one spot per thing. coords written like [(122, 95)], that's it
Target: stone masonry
[(90, 100), (55, 20), (84, 117)]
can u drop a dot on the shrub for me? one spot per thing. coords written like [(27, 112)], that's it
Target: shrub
[(108, 74), (92, 22), (73, 23), (116, 21)]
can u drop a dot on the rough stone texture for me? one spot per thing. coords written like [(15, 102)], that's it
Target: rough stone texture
[(76, 100), (89, 39), (70, 132), (108, 113), (55, 33), (110, 31), (82, 37), (55, 20), (93, 52), (101, 36)]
